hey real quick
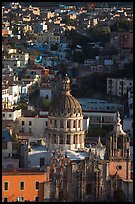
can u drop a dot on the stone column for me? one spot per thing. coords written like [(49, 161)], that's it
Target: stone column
[(71, 124), (58, 123), (71, 139), (76, 125), (53, 123), (81, 124), (58, 139), (65, 124), (64, 139), (78, 139)]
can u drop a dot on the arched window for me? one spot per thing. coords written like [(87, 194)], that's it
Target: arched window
[(68, 139), (74, 122), (68, 124), (120, 142), (61, 139), (75, 139), (61, 124), (55, 123)]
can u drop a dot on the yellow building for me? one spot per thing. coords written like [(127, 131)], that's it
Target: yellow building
[(36, 11)]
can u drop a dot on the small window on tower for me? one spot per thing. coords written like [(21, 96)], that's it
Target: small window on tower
[(120, 142)]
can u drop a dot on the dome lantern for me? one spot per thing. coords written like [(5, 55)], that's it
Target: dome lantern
[(66, 85)]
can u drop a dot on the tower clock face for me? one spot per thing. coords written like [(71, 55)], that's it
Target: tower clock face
[(118, 167)]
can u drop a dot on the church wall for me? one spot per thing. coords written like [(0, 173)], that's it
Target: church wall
[(115, 166)]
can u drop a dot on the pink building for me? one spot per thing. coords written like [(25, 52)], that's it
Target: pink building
[(126, 40)]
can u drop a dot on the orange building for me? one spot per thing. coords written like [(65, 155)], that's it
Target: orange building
[(5, 32), (24, 185)]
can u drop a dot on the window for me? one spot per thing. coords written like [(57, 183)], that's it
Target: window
[(46, 97), (89, 188), (37, 185), (5, 199), (21, 185), (29, 130), (5, 186), (55, 123), (74, 124), (68, 139), (22, 122), (68, 124), (42, 162), (61, 139), (120, 142), (46, 123), (75, 139), (36, 198), (30, 122), (21, 199), (10, 115), (3, 115), (61, 124)]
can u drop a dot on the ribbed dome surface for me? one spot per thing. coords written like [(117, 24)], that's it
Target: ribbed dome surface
[(66, 104)]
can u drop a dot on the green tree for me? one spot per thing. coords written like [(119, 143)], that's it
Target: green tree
[(54, 47), (22, 106), (122, 25), (78, 57), (45, 103), (99, 34), (89, 52), (77, 39)]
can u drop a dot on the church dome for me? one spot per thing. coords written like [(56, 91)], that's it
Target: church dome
[(65, 104)]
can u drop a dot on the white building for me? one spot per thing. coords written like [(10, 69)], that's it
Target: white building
[(10, 114), (14, 93), (38, 156), (10, 95), (5, 95), (118, 87), (32, 127), (99, 105), (99, 118)]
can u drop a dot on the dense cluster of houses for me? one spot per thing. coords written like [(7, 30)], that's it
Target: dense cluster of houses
[(34, 45)]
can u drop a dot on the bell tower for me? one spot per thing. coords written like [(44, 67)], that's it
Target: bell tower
[(118, 151)]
